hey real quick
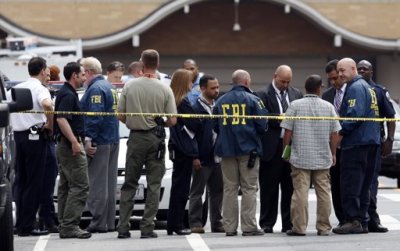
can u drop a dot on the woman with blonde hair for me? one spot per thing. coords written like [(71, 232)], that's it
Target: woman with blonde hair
[(183, 152)]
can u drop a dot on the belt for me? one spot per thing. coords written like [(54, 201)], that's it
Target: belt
[(25, 131), (62, 137), (143, 131), (39, 131)]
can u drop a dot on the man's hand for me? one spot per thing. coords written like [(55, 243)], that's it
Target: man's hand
[(333, 160), (196, 164), (76, 148), (387, 147), (89, 149), (48, 128), (340, 137)]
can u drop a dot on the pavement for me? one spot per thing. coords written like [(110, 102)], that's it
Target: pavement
[(388, 207)]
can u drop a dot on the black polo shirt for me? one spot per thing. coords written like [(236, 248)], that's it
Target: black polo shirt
[(67, 100)]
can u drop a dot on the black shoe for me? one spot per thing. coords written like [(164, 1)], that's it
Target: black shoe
[(377, 228), (33, 232), (124, 235), (37, 232), (365, 229), (353, 227), (218, 228), (48, 224), (52, 229), (95, 230), (148, 235), (253, 233), (268, 230), (285, 229), (293, 233), (231, 233), (179, 231)]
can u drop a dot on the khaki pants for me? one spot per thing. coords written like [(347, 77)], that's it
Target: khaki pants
[(299, 205), (73, 186), (237, 175)]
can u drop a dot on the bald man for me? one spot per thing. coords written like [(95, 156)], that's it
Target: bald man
[(274, 171), (386, 110), (359, 142), (239, 145)]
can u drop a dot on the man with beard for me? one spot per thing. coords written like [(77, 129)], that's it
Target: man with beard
[(73, 186), (209, 173)]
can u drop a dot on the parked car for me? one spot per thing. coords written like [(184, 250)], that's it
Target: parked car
[(391, 164), (22, 100)]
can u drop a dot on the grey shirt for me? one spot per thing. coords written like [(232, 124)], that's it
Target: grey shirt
[(310, 139)]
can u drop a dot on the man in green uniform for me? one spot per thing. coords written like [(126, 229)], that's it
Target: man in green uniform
[(146, 144)]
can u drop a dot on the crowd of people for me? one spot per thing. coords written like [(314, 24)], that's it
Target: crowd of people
[(222, 157)]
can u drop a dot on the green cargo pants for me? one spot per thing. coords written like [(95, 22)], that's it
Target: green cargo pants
[(73, 186), (142, 150)]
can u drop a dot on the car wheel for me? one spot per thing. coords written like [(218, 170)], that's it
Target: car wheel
[(6, 225)]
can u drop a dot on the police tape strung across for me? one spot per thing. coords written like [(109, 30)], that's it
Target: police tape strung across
[(212, 116)]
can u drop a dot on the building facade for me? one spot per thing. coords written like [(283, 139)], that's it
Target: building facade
[(303, 34)]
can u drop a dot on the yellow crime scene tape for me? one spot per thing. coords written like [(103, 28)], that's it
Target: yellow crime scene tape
[(209, 116)]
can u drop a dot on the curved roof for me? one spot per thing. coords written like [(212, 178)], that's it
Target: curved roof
[(103, 23)]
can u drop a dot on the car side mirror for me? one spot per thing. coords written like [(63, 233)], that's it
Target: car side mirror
[(22, 100)]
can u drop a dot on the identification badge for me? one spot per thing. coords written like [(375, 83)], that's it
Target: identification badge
[(33, 136)]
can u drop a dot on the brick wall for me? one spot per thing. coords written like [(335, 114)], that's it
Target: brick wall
[(269, 37), (207, 30)]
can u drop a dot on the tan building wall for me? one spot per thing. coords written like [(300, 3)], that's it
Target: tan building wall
[(268, 37), (76, 18), (372, 18), (94, 18)]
